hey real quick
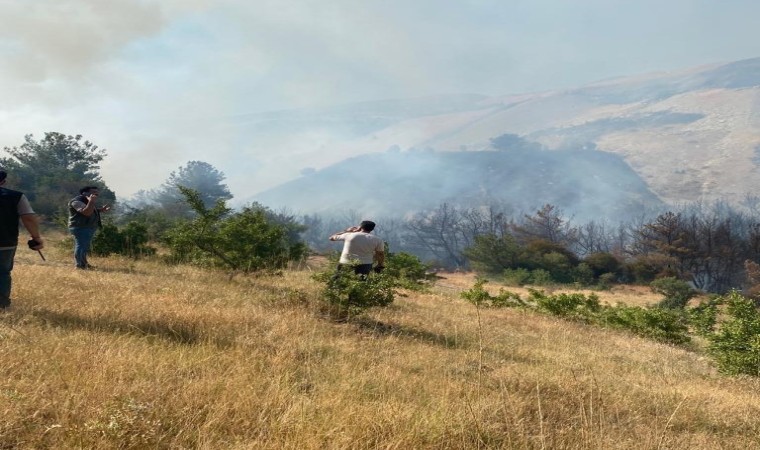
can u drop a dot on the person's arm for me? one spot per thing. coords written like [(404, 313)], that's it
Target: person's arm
[(90, 207), (32, 226), (335, 237)]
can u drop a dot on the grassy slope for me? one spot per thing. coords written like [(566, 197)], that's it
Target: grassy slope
[(145, 355)]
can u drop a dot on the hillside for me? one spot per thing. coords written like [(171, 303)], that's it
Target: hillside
[(690, 135), (586, 184), (142, 355)]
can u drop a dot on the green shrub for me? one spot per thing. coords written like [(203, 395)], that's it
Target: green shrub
[(517, 277), (704, 316), (655, 323), (602, 262), (606, 280), (347, 294), (249, 240), (565, 305), (478, 296), (131, 240), (736, 344), (540, 277), (408, 271), (583, 274), (677, 292)]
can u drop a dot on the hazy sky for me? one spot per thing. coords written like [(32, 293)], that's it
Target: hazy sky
[(157, 82)]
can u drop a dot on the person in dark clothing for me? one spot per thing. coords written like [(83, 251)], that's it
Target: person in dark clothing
[(84, 221), (13, 206)]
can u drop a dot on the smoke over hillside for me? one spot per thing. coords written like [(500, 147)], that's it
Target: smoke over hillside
[(586, 184)]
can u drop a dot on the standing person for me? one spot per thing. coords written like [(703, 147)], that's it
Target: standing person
[(84, 220), (13, 206), (360, 248)]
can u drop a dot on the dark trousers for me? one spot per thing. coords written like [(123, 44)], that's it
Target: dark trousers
[(6, 265), (359, 269)]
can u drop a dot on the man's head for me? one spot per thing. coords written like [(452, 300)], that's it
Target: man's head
[(87, 190), (367, 225)]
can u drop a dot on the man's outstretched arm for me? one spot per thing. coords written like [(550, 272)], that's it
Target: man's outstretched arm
[(334, 237)]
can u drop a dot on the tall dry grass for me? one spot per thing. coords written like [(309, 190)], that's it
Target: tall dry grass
[(143, 355)]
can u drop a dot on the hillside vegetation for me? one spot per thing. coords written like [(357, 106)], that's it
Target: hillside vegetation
[(144, 355)]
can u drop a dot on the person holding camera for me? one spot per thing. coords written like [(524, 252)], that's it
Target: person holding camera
[(84, 221), (360, 248), (13, 206)]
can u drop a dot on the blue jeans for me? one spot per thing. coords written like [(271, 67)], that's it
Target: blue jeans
[(82, 240), (6, 265)]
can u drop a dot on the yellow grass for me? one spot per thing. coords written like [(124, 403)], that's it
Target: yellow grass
[(143, 355)]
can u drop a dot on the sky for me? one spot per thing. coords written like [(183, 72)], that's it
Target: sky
[(160, 83)]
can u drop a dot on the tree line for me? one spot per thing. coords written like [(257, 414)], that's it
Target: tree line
[(715, 247), (712, 246)]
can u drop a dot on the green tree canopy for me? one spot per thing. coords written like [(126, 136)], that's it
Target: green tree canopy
[(197, 176), (52, 170)]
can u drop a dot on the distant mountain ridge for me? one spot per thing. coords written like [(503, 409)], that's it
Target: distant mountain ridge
[(690, 135), (586, 184)]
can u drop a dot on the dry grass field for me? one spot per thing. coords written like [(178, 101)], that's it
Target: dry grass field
[(144, 355)]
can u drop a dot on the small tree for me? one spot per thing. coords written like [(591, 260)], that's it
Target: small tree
[(246, 241), (199, 176), (52, 170), (677, 292), (131, 240)]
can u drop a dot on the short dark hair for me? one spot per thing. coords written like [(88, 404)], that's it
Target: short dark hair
[(367, 225), (86, 189), (3, 174)]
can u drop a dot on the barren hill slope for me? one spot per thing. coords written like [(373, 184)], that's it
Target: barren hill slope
[(690, 135)]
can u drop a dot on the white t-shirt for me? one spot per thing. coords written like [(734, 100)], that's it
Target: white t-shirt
[(359, 247)]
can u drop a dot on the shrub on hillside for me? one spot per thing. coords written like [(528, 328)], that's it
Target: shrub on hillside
[(517, 277), (576, 305), (478, 296), (246, 241), (736, 344), (407, 271), (347, 294), (655, 323), (677, 292), (131, 240), (601, 263)]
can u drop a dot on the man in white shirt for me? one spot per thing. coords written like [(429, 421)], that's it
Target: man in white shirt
[(360, 248)]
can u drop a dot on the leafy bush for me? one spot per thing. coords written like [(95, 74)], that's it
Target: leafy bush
[(478, 296), (540, 277), (347, 294), (131, 240), (565, 305), (407, 271), (677, 292), (655, 323), (245, 241), (583, 274), (517, 277), (736, 345), (602, 262), (704, 316), (492, 254), (606, 280)]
